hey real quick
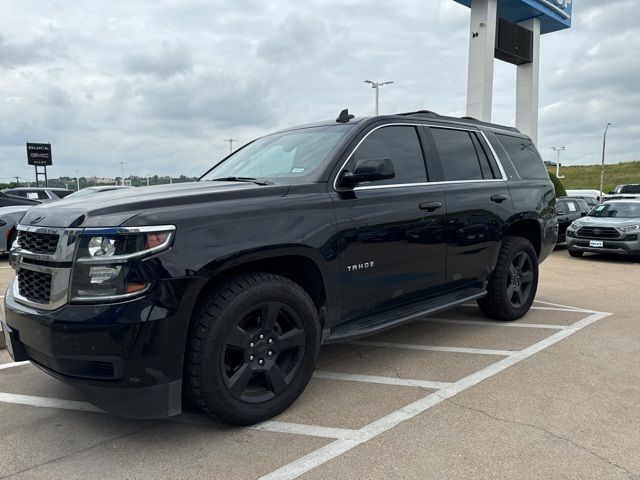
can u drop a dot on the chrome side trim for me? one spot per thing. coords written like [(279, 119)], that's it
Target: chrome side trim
[(416, 184)]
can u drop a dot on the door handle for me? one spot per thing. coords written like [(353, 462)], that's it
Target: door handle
[(430, 206), (499, 198)]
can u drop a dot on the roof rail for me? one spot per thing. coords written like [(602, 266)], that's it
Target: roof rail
[(430, 114), (420, 113)]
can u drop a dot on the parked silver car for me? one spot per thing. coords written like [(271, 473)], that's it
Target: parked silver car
[(9, 218), (611, 227)]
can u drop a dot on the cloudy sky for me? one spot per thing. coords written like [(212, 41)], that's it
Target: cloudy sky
[(159, 84)]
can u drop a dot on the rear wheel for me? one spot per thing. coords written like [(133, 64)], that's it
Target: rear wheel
[(253, 348), (513, 284), (575, 253)]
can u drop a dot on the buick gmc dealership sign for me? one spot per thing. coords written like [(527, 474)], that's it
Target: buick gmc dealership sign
[(39, 154)]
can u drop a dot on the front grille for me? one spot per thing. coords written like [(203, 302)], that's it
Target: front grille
[(38, 242), (598, 232), (34, 286)]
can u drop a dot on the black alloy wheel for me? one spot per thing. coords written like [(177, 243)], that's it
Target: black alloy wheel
[(263, 352), (252, 348), (520, 279), (512, 286)]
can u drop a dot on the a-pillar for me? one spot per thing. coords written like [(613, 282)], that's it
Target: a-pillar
[(527, 86), (482, 39)]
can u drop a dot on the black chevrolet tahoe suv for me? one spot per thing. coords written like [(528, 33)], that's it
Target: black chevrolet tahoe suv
[(221, 291)]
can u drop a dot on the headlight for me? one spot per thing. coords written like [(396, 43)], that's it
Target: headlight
[(631, 228), (109, 262)]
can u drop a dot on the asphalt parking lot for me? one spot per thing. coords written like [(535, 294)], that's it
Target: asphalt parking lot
[(553, 395)]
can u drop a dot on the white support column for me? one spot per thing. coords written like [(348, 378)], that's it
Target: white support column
[(527, 86), (482, 39)]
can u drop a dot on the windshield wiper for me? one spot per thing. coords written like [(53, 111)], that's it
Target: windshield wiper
[(243, 179)]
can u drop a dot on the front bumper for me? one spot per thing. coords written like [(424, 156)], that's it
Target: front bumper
[(617, 247), (126, 357)]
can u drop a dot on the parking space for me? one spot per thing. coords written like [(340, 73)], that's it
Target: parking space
[(372, 408)]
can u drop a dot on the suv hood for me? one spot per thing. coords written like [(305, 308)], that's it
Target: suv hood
[(607, 221), (114, 207)]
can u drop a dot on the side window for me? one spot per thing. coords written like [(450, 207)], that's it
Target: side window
[(457, 154), (561, 208), (524, 156), (572, 207), (401, 145), (489, 169), (61, 194)]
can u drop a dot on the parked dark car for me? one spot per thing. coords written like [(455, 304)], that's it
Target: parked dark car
[(582, 204), (42, 194), (13, 201), (568, 211), (224, 289), (611, 227), (627, 188)]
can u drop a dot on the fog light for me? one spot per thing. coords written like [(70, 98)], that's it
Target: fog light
[(101, 246)]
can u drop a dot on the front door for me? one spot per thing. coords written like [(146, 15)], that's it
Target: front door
[(391, 233)]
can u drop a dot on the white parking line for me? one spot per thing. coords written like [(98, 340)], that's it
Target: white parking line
[(47, 402), (493, 324), (576, 309), (433, 348), (268, 426), (366, 433), (403, 382), (13, 364)]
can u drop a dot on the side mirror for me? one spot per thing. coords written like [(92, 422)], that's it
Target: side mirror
[(584, 214), (368, 170)]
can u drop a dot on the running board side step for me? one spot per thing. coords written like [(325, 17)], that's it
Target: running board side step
[(365, 326)]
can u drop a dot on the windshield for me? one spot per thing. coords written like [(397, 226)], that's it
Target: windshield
[(617, 210), (295, 156), (627, 189)]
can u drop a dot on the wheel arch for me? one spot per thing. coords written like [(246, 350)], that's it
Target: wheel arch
[(303, 265), (529, 228)]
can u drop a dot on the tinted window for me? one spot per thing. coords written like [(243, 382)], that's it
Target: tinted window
[(400, 145), (616, 209), (62, 194), (457, 154), (524, 156), (628, 189)]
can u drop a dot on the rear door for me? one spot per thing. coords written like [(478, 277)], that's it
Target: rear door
[(478, 204)]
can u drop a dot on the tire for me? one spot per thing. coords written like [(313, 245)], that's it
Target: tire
[(232, 372), (575, 253), (12, 238), (512, 274)]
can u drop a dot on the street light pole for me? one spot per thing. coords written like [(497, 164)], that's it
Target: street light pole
[(122, 172), (376, 86), (558, 150), (604, 143), (231, 140), (77, 181)]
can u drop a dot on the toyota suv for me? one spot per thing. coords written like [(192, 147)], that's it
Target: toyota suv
[(223, 290)]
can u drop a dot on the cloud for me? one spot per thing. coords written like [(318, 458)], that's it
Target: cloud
[(160, 84), (168, 61)]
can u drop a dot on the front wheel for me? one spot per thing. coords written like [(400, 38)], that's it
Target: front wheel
[(513, 284), (253, 348)]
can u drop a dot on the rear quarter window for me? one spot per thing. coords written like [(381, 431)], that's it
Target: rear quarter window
[(524, 156)]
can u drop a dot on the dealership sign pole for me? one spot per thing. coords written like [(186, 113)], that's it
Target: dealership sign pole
[(510, 30), (39, 155)]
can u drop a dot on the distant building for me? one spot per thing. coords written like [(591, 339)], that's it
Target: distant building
[(101, 180)]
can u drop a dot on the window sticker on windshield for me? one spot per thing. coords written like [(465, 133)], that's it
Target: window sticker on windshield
[(297, 170), (600, 207)]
